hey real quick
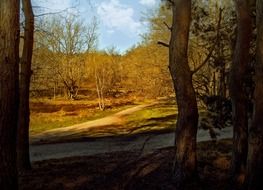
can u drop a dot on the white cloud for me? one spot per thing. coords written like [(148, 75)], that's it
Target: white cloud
[(148, 3), (118, 17)]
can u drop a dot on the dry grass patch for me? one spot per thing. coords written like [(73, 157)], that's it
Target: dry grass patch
[(49, 114)]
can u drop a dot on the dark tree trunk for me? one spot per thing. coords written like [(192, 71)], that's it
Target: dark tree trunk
[(238, 93), (185, 167), (255, 153), (23, 159), (222, 86), (9, 92)]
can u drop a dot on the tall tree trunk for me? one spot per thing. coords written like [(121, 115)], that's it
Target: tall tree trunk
[(238, 94), (9, 92), (185, 167), (23, 159), (255, 150)]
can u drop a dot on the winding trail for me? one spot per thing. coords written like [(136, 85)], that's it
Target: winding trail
[(84, 128)]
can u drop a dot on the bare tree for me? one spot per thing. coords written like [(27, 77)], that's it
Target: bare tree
[(107, 76), (68, 38), (9, 92), (100, 85), (185, 168)]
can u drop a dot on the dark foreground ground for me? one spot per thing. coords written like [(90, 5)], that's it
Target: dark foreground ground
[(128, 170)]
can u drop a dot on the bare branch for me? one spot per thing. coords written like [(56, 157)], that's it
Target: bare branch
[(163, 44), (205, 61), (54, 13), (214, 45), (168, 27)]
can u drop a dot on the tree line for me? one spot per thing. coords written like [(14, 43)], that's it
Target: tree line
[(80, 71), (215, 55)]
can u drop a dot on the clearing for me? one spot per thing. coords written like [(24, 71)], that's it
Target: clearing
[(128, 149), (149, 125)]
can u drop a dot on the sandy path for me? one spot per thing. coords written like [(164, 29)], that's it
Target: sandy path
[(82, 128)]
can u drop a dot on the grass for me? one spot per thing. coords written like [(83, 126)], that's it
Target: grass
[(159, 117), (43, 122), (50, 114), (46, 115)]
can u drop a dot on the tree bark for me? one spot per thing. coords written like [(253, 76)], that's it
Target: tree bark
[(238, 94), (9, 92), (23, 159), (185, 168), (255, 150)]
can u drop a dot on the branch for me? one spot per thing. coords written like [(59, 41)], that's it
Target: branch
[(163, 44), (205, 61), (214, 45), (64, 81), (54, 13), (168, 27)]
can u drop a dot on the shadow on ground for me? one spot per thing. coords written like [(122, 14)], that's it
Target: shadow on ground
[(128, 170)]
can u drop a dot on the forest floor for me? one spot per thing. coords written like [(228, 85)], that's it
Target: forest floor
[(128, 170), (124, 148)]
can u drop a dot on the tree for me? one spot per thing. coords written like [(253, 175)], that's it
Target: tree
[(187, 121), (9, 92), (67, 39), (255, 143), (209, 53), (238, 95), (24, 87), (145, 71), (99, 75), (104, 71)]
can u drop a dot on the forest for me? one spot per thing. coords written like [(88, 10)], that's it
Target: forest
[(179, 110)]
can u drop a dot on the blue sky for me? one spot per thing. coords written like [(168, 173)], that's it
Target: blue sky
[(120, 21)]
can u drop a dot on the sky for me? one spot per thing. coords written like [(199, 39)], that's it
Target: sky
[(120, 21)]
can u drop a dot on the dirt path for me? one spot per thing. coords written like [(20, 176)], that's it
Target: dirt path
[(83, 128)]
